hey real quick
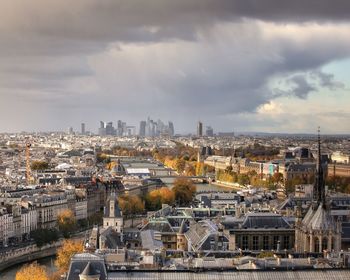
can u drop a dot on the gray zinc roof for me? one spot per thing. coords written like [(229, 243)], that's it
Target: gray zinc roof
[(265, 220)]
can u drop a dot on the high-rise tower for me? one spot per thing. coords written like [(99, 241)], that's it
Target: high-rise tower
[(83, 129), (200, 129)]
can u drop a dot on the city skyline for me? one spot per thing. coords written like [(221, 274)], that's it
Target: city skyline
[(234, 65)]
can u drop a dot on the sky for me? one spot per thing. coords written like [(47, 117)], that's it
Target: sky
[(267, 66)]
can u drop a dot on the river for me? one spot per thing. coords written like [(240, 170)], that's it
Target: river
[(162, 171), (10, 273)]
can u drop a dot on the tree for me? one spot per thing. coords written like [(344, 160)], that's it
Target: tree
[(66, 222), (154, 199), (32, 271), (65, 253), (39, 165), (190, 170), (167, 196), (199, 168), (184, 191), (44, 236), (277, 178), (291, 183), (95, 219), (243, 179), (131, 205), (180, 165), (265, 254), (111, 165)]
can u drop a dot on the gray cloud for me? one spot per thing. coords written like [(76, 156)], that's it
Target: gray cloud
[(126, 59), (327, 80), (300, 86)]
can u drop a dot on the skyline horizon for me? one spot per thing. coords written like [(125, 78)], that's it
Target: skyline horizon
[(77, 129)]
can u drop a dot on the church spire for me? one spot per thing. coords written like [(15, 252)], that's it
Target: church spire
[(319, 189)]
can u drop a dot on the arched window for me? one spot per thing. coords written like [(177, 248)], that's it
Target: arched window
[(317, 245), (324, 243), (307, 245)]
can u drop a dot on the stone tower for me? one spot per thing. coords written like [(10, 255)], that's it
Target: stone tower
[(113, 215)]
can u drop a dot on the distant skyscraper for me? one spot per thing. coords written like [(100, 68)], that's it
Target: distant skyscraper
[(83, 129), (120, 128), (70, 130), (200, 129), (142, 128), (110, 129), (102, 128), (151, 128), (171, 128), (209, 132)]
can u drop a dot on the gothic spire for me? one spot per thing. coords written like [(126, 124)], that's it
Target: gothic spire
[(319, 188)]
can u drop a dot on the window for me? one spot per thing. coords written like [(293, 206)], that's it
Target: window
[(266, 242), (245, 242), (317, 245), (116, 224), (276, 239), (286, 242), (324, 243), (255, 242)]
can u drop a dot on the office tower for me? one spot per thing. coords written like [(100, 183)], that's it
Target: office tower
[(171, 129), (209, 132), (70, 130), (151, 127), (102, 129), (159, 128), (142, 131), (110, 129), (200, 129), (83, 128), (120, 128)]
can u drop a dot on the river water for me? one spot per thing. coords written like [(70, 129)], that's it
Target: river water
[(10, 274)]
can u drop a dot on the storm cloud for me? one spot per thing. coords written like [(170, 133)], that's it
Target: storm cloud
[(67, 62)]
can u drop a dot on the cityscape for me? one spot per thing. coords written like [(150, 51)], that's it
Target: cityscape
[(198, 139)]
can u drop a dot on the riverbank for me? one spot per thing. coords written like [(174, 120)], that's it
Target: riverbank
[(229, 186), (32, 252), (28, 254), (48, 262)]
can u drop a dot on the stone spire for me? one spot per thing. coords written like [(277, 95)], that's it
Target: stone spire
[(319, 188)]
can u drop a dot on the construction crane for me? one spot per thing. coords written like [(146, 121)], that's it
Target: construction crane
[(28, 169)]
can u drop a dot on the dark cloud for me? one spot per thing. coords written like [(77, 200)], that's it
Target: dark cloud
[(92, 59), (300, 86), (327, 80)]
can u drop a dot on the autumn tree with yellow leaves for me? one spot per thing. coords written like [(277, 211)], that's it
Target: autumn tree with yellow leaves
[(66, 222), (184, 191), (131, 205), (66, 252), (154, 199), (32, 271)]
